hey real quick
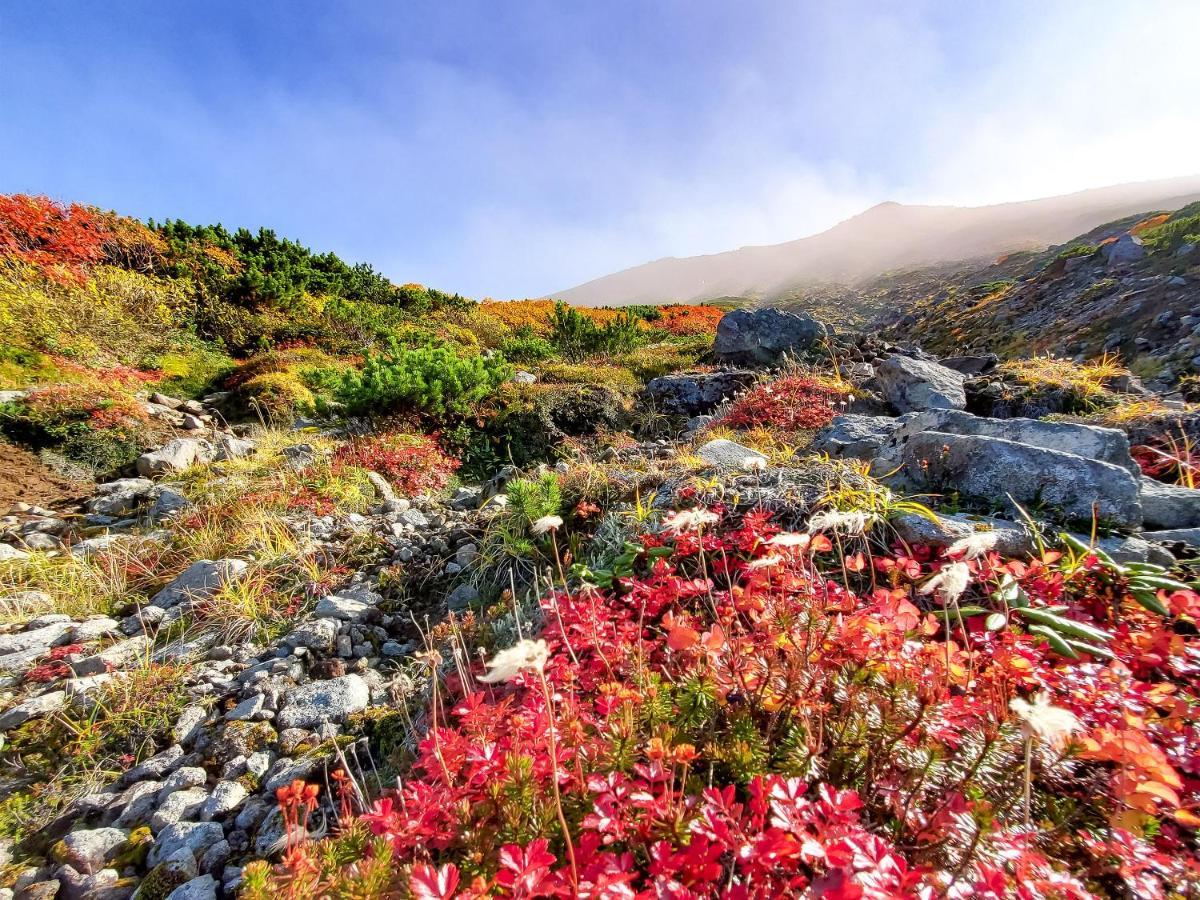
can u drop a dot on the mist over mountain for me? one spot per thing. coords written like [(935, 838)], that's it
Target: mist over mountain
[(883, 238)]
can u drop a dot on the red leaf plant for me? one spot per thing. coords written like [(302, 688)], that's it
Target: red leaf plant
[(744, 718)]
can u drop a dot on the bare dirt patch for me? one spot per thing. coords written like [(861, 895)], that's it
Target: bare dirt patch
[(25, 478)]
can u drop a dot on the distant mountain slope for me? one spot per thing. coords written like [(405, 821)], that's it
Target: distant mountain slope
[(886, 237)]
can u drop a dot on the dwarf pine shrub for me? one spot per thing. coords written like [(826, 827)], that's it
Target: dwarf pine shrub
[(434, 381)]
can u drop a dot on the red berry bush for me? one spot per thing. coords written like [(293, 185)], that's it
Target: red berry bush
[(412, 463), (743, 714), (793, 403)]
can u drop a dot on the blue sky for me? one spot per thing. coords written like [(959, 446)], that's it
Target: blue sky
[(514, 148)]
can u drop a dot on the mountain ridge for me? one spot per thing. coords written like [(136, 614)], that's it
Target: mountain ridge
[(888, 235)]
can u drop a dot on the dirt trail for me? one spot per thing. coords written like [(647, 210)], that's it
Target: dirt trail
[(25, 478)]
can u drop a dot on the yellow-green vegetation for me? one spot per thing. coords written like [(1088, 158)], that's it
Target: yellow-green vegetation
[(82, 586), (1084, 384), (83, 747)]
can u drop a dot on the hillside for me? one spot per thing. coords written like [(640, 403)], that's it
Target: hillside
[(887, 237), (318, 587)]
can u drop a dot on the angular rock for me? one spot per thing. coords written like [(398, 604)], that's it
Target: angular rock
[(230, 447), (167, 503), (199, 581), (44, 637), (990, 470), (1189, 537), (116, 498), (225, 798), (462, 597), (202, 888), (176, 807), (1169, 506), (693, 395), (911, 385), (88, 851), (855, 437), (173, 457), (726, 454), (319, 635), (971, 365), (324, 701), (33, 708), (764, 336), (193, 836), (9, 553), (343, 608), (1011, 539), (1108, 445)]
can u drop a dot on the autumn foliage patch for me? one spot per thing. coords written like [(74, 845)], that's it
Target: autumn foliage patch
[(792, 403), (412, 463), (746, 714)]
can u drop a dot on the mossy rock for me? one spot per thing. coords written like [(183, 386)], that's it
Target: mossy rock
[(135, 850)]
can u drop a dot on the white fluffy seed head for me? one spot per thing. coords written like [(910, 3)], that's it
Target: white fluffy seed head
[(523, 656), (973, 546), (546, 524), (950, 582), (1051, 724)]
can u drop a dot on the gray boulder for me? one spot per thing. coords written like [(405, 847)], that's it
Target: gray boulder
[(1011, 539), (230, 447), (1189, 537), (726, 454), (1050, 482), (33, 708), (202, 888), (855, 437), (36, 638), (174, 456), (1124, 250), (167, 502), (199, 581), (1169, 506), (693, 395), (116, 498), (194, 836), (763, 336), (1104, 444), (88, 851), (324, 701), (916, 384)]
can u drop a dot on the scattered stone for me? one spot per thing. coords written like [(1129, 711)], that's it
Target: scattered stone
[(88, 851), (193, 836), (33, 708), (1169, 506), (37, 638), (324, 701), (202, 888), (911, 384), (199, 581), (173, 457), (855, 437), (725, 454), (343, 609), (693, 395), (462, 596), (225, 798)]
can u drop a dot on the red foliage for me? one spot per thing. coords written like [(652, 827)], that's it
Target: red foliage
[(793, 402), (1175, 462), (677, 711), (685, 320), (61, 241), (411, 463)]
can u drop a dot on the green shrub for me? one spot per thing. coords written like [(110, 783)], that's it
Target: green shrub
[(435, 381), (525, 345), (577, 336), (1182, 228)]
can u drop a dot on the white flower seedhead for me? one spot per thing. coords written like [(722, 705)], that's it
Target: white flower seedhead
[(765, 562), (546, 524), (523, 656), (949, 583), (848, 523), (689, 520), (1051, 724), (789, 540), (754, 464), (973, 546)]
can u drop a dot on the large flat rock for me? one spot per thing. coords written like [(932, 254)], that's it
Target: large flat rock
[(1049, 483)]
